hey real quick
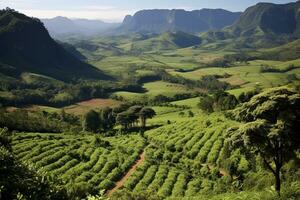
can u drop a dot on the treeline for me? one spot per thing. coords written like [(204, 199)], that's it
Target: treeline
[(127, 117), (208, 82), (218, 101), (44, 122), (59, 94), (158, 99), (267, 68), (231, 59)]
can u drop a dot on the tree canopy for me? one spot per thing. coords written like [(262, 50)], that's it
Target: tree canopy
[(271, 129)]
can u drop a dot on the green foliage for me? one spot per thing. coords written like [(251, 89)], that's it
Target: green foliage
[(91, 121), (21, 181), (130, 117), (56, 61), (271, 128), (218, 102), (22, 120)]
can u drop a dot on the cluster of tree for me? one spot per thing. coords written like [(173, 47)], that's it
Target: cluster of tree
[(267, 68), (189, 114), (208, 82), (246, 96), (107, 118), (103, 120), (23, 120), (217, 102), (135, 114), (231, 59), (18, 181)]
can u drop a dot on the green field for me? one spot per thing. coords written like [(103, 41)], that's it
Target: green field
[(154, 89)]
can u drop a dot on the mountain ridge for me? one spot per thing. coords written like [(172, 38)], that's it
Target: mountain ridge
[(164, 20), (262, 25)]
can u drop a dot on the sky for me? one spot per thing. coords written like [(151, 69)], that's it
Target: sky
[(116, 10)]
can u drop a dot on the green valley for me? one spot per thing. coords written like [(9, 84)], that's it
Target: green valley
[(168, 104)]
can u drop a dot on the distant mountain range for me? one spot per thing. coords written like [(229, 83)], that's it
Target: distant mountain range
[(61, 26), (25, 46), (162, 20)]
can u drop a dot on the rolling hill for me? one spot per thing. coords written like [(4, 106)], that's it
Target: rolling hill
[(25, 46), (168, 40), (162, 20)]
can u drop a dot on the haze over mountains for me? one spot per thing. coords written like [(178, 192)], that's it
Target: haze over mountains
[(60, 26), (259, 25), (146, 21)]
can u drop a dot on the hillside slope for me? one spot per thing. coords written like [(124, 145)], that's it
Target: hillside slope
[(168, 40), (262, 25), (25, 46)]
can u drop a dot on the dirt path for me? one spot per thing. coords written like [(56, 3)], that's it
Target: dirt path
[(121, 182)]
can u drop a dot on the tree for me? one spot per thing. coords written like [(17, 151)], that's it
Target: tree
[(123, 120), (146, 113), (134, 114), (191, 114), (91, 121), (107, 119), (271, 129), (206, 104)]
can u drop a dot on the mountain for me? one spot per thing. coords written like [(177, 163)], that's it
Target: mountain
[(269, 18), (61, 26), (163, 20), (263, 25), (165, 41), (25, 46)]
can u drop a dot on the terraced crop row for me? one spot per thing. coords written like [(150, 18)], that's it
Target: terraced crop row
[(178, 157), (80, 160)]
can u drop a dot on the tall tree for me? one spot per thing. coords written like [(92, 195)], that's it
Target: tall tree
[(91, 121), (271, 129), (146, 113), (107, 119), (133, 114), (123, 119)]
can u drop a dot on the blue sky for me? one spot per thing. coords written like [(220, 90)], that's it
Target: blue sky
[(115, 10)]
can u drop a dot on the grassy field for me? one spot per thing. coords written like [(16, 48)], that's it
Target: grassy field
[(96, 104), (155, 88), (79, 108)]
